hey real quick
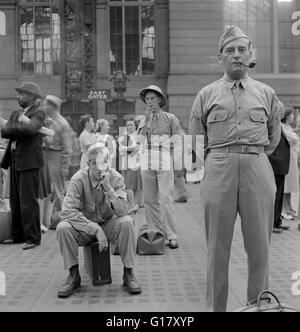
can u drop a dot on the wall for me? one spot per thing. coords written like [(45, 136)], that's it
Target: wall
[(195, 28)]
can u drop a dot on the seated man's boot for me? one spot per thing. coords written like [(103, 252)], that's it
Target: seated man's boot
[(130, 282), (73, 281)]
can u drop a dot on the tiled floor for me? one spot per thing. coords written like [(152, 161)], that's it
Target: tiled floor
[(174, 281)]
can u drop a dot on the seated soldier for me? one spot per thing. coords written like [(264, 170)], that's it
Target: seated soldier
[(95, 209)]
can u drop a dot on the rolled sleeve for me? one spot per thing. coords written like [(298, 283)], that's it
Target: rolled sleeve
[(274, 128), (197, 130)]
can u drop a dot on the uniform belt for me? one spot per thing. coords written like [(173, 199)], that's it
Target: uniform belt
[(237, 148)]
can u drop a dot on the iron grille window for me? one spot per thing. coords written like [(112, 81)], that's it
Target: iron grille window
[(132, 36), (40, 37)]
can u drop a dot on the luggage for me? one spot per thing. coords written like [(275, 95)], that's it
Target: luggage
[(259, 306), (97, 264), (151, 240), (5, 225)]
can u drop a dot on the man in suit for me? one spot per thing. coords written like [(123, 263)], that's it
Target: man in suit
[(280, 161), (24, 157)]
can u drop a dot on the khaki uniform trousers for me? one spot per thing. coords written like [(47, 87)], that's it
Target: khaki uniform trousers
[(179, 185), (54, 159), (232, 183), (158, 187), (119, 231), (3, 177)]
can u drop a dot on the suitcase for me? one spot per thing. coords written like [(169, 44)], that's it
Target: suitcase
[(97, 264), (151, 240), (259, 306), (5, 225)]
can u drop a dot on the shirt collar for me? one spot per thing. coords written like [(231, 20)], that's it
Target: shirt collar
[(94, 182), (87, 132), (26, 109), (231, 82)]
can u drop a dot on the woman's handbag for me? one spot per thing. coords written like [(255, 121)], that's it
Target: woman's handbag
[(151, 240), (259, 306)]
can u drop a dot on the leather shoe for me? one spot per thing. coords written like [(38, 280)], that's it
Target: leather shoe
[(68, 288), (173, 244), (130, 282), (11, 241), (284, 228), (28, 246), (277, 230), (181, 200)]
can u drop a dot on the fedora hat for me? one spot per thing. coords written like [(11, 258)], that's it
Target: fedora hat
[(157, 90), (30, 88)]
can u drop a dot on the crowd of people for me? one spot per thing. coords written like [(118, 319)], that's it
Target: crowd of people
[(250, 160)]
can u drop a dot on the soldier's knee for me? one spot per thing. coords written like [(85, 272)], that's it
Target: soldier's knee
[(126, 222), (62, 228)]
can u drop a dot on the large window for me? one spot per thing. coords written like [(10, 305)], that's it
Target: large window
[(40, 37), (254, 17), (2, 24), (289, 43), (269, 24), (132, 36)]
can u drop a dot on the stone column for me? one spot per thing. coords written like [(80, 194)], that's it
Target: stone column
[(102, 35)]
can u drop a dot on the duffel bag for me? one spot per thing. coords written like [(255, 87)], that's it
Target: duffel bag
[(151, 240), (265, 304)]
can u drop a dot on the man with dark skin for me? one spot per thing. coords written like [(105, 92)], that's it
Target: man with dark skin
[(24, 157)]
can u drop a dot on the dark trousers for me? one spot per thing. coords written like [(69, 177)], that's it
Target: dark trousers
[(278, 200), (24, 190)]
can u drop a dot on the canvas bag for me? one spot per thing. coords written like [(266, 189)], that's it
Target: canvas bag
[(259, 306), (151, 240)]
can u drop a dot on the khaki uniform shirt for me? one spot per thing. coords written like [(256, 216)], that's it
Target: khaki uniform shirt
[(227, 113), (163, 136), (61, 140), (87, 205)]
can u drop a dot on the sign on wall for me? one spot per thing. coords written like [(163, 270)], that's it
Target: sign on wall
[(296, 24), (99, 94)]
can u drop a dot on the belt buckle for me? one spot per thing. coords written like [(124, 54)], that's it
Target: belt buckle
[(244, 149)]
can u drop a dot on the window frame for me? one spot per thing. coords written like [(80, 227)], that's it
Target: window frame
[(139, 4), (3, 16), (37, 3), (275, 47)]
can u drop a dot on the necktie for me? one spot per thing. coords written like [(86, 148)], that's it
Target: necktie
[(236, 87), (154, 124)]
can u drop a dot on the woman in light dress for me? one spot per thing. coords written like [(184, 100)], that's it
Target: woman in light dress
[(291, 184), (86, 138), (102, 136), (130, 153)]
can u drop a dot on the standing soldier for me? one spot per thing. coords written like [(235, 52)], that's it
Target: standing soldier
[(238, 123), (160, 129), (59, 152)]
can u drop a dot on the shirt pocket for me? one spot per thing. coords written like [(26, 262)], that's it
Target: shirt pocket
[(258, 126), (217, 127)]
